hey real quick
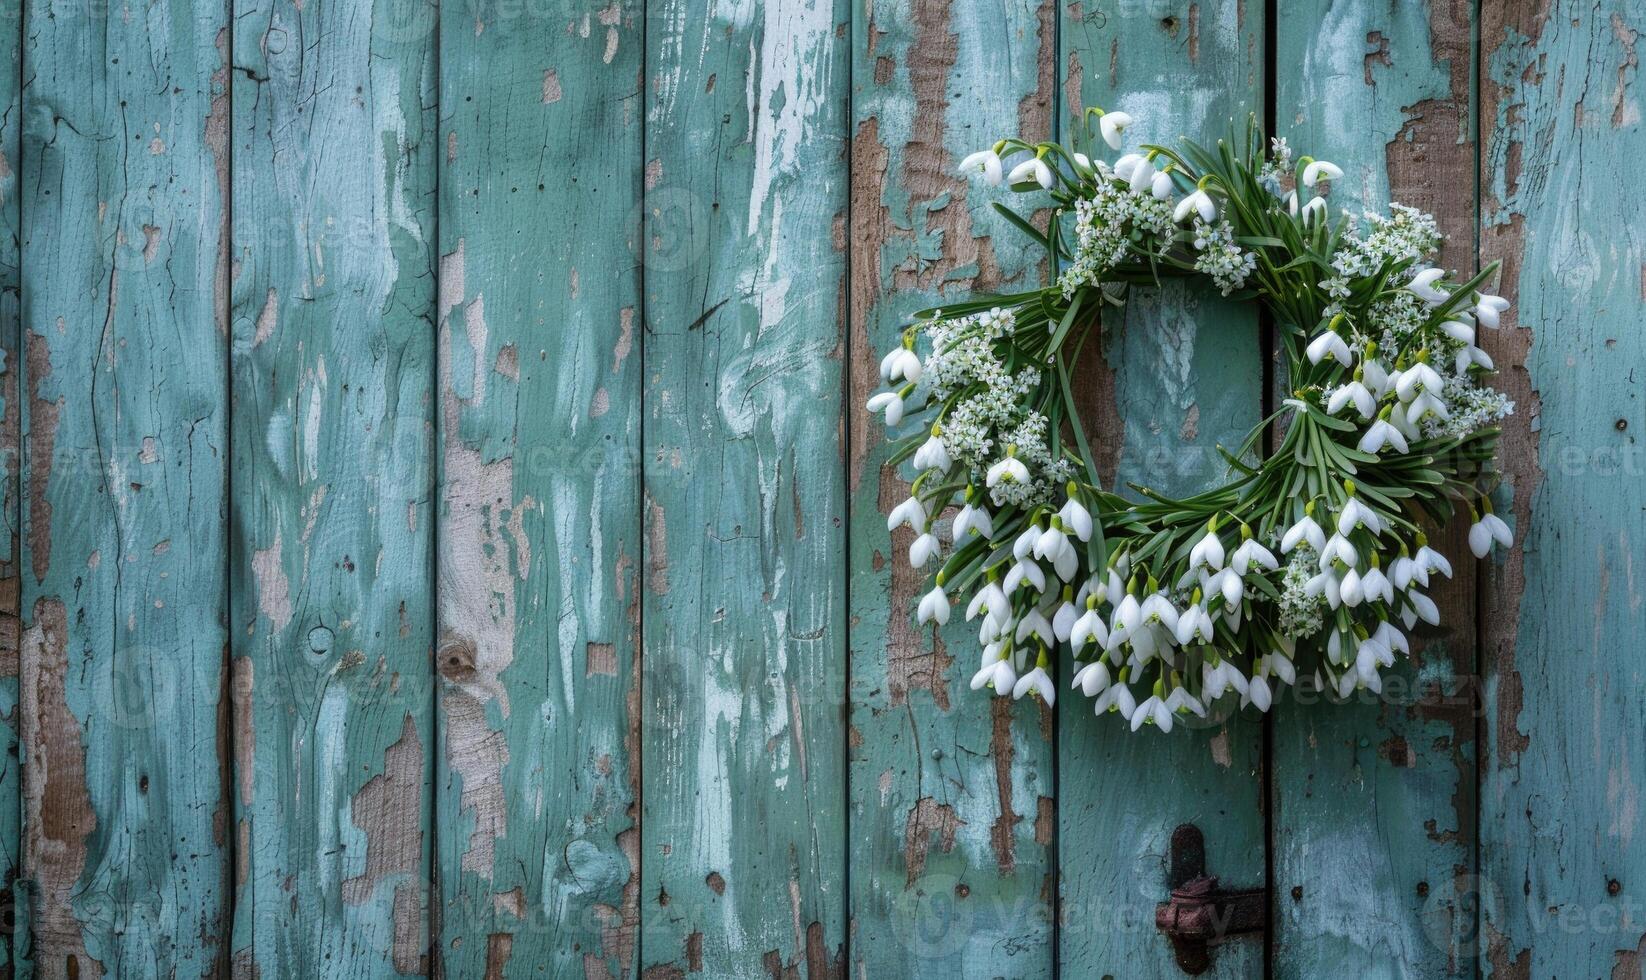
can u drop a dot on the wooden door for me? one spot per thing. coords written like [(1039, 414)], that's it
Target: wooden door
[(443, 536)]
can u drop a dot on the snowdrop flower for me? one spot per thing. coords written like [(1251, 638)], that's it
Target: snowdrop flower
[(1222, 678), (1423, 284), (1113, 127), (1198, 202), (1317, 170), (1066, 564), (1088, 628), (973, 519), (1025, 571), (1459, 331), (1180, 700), (1142, 179), (1128, 616), (1157, 610), (1304, 530), (1035, 624), (901, 364), (1356, 514), (1076, 518), (1470, 356), (1325, 584), (1420, 377), (1229, 584), (1349, 589), (1084, 162), (1036, 682), (1116, 697), (1315, 210), (1488, 309), (1052, 543), (1372, 372), (934, 606), (1251, 552), (933, 454), (1258, 694), (1162, 185), (1353, 392), (1431, 560), (999, 675), (1487, 528), (1424, 405), (1092, 679), (985, 162), (1282, 667), (1124, 166), (1064, 619), (924, 549), (1208, 552), (1009, 469), (1194, 624), (1034, 169), (1338, 549), (1330, 344), (1024, 544), (1392, 640), (1153, 710), (911, 512), (890, 402), (990, 597), (1375, 585), (1382, 434), (1420, 606)]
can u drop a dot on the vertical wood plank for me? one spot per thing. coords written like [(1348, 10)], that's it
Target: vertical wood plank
[(1181, 372), (1374, 800), (743, 868), (951, 791), (332, 369), (1562, 859), (11, 347), (539, 552), (124, 679)]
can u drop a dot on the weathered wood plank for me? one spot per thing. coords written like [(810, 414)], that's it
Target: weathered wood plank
[(1562, 858), (951, 791), (332, 368), (539, 550), (743, 868), (11, 360), (1374, 801), (1181, 373), (124, 678)]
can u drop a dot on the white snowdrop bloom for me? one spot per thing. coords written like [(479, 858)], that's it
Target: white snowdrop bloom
[(1345, 684), (1035, 624), (1392, 640), (1304, 530), (1025, 571), (1424, 405), (1023, 545), (1092, 679), (1318, 170), (1142, 179), (1282, 667), (1350, 589), (1221, 678), (1459, 331), (1154, 710), (911, 512), (1356, 514), (1249, 553), (1488, 309), (1207, 553), (934, 607), (1367, 658), (1258, 694), (1356, 393), (1471, 356), (1128, 616), (1157, 610), (1067, 564), (1000, 675), (1431, 560), (1036, 682), (1052, 542), (1116, 697), (1124, 166), (1423, 284), (1200, 203), (1375, 585), (1336, 652), (1315, 210), (1404, 572), (1338, 549), (1194, 625), (1076, 518), (989, 597), (1084, 162), (1089, 628), (933, 455), (1418, 379), (985, 162), (1423, 608), (900, 364), (1033, 169), (973, 519), (1325, 584), (924, 549), (1329, 344), (1162, 185), (1115, 591), (1487, 529), (889, 402), (1180, 700), (991, 629), (1375, 378), (1113, 127), (1009, 469), (1291, 203), (1229, 584), (1380, 435), (1063, 621)]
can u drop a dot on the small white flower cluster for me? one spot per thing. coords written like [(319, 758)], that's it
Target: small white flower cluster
[(1166, 616)]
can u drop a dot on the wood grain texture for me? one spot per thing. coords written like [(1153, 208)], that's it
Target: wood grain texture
[(332, 523), (1374, 801), (539, 548), (127, 822), (951, 791), (11, 361), (744, 860), (1563, 868), (1181, 372)]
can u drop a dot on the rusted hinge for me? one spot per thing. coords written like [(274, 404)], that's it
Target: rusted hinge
[(1199, 914)]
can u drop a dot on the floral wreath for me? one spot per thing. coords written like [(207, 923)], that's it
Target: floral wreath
[(1312, 555)]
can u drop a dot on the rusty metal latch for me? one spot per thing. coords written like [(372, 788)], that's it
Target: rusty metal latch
[(1199, 914)]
